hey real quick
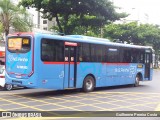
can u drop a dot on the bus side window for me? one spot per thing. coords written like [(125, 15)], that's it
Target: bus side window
[(112, 55), (134, 56), (86, 52), (140, 57), (45, 58), (133, 59), (80, 53), (52, 50), (80, 58), (127, 56)]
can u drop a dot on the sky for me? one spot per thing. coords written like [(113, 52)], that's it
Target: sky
[(147, 11)]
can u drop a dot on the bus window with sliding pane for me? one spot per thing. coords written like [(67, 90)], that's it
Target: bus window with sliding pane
[(112, 55), (52, 50), (126, 55)]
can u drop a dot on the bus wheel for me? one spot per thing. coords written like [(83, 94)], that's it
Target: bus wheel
[(8, 87), (88, 84), (137, 79)]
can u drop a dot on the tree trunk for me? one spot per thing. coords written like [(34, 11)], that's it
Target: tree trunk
[(59, 25), (65, 23), (6, 32)]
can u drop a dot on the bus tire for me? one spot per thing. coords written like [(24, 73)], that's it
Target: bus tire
[(137, 79), (88, 84), (8, 87)]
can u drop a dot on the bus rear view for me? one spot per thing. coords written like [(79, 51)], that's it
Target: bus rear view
[(19, 59)]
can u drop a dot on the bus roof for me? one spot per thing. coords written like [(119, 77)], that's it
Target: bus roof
[(89, 38), (94, 40), (81, 38)]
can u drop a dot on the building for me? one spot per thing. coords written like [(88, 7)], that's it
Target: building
[(40, 24)]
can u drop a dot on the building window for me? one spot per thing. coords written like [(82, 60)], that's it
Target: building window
[(44, 21), (44, 28)]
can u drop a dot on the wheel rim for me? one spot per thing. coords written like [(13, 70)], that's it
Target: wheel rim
[(89, 84), (137, 81), (8, 86)]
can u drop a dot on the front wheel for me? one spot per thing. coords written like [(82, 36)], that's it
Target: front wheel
[(137, 79), (88, 84), (8, 87)]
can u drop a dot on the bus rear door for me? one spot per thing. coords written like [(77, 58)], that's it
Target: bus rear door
[(70, 65), (147, 64)]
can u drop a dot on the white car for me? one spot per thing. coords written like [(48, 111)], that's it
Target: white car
[(2, 79)]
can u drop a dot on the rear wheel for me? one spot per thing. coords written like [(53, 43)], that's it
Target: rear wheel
[(8, 87), (88, 84), (137, 79)]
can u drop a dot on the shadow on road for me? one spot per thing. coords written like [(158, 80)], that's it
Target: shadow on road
[(53, 93)]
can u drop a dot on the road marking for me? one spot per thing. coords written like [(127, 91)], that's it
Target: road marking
[(158, 107), (126, 97), (13, 109), (2, 109), (21, 104), (134, 106), (5, 94), (49, 103), (26, 106), (73, 107)]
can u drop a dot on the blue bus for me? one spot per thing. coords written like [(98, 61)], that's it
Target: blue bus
[(37, 60)]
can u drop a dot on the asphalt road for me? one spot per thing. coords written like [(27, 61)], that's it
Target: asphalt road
[(146, 97)]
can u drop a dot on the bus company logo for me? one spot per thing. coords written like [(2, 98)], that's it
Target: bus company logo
[(16, 59), (133, 69), (122, 70)]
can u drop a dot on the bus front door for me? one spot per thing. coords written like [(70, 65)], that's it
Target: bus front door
[(70, 67), (147, 65)]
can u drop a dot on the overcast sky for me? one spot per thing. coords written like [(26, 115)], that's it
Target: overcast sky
[(144, 10)]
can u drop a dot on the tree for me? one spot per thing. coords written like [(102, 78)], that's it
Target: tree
[(1, 31), (85, 13), (14, 16), (141, 34), (121, 32)]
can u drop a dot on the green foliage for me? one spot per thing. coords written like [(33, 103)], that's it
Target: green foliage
[(142, 34), (72, 13), (1, 31), (1, 28), (13, 16)]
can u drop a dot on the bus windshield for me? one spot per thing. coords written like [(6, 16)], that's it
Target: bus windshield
[(19, 44)]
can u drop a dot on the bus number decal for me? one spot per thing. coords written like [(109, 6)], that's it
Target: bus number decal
[(66, 58)]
